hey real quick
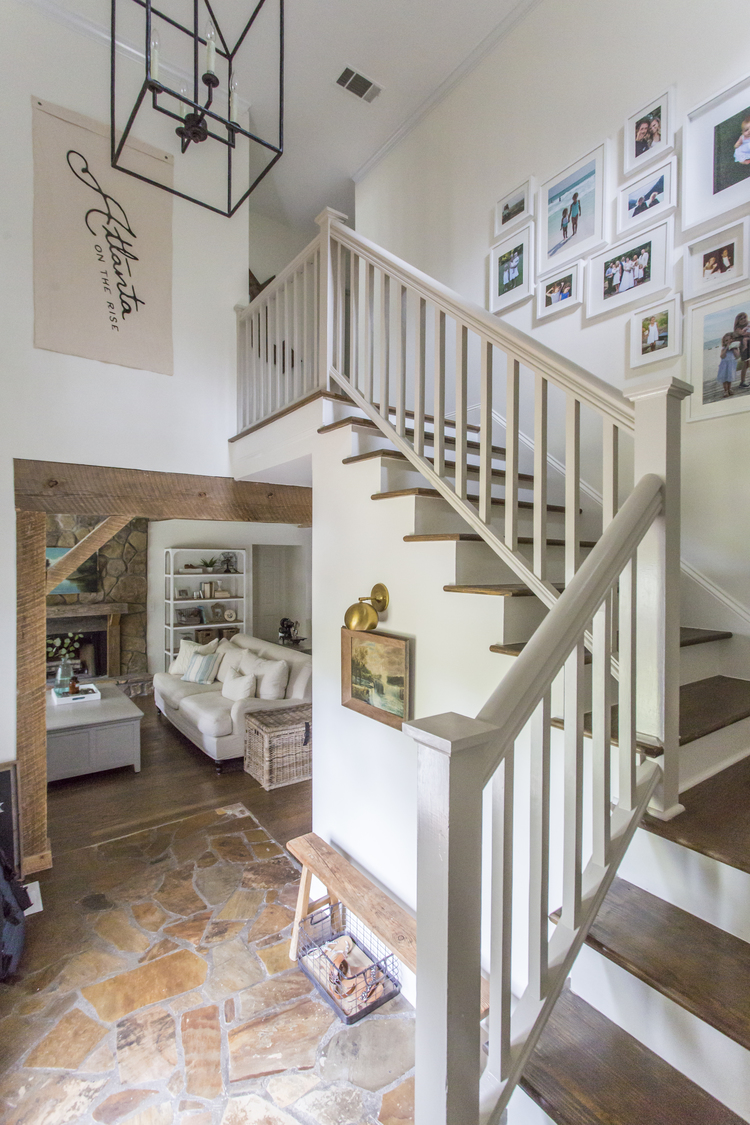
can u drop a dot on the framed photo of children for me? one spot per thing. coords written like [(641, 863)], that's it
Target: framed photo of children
[(656, 333), (716, 156), (651, 197), (560, 290), (719, 366), (716, 261), (638, 267), (512, 269), (515, 208), (649, 133), (571, 211)]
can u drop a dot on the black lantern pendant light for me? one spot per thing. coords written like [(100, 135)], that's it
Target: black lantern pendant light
[(204, 108)]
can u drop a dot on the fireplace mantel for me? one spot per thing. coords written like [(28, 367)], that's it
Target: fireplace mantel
[(95, 609)]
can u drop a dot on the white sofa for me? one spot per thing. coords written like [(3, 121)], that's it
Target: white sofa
[(217, 724)]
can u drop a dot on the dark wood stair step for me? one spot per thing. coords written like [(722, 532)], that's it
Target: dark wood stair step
[(367, 424), (496, 589), (433, 494), (472, 537), (394, 455), (472, 426), (688, 637), (700, 967), (586, 1070)]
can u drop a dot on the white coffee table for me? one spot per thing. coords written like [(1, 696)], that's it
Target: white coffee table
[(88, 737)]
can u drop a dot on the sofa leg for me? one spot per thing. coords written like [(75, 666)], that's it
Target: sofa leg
[(218, 768)]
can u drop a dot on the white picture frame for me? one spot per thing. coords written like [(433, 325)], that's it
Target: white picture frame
[(656, 332), (586, 179), (708, 320), (520, 208), (568, 276), (634, 210), (713, 184), (660, 109), (728, 246), (605, 291), (505, 288)]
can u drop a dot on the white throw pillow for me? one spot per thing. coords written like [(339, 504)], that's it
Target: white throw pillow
[(237, 686), (179, 665), (202, 669), (231, 659), (271, 676)]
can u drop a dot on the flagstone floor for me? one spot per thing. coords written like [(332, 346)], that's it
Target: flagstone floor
[(156, 989)]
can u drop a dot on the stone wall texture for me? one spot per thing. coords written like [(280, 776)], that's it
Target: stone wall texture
[(122, 578)]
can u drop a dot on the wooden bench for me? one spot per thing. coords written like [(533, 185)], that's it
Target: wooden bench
[(388, 921)]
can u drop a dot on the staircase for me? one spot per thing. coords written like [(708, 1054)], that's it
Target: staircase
[(589, 649)]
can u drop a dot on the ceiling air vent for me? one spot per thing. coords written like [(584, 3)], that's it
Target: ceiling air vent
[(358, 85)]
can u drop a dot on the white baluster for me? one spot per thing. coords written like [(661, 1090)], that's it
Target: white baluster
[(324, 295), (511, 453), (540, 476), (539, 849), (573, 789), (401, 374), (277, 353), (627, 682), (306, 365), (294, 357), (354, 319), (462, 350), (439, 381), (572, 484), (419, 384), (498, 1060), (385, 347), (601, 731), (485, 435), (369, 331)]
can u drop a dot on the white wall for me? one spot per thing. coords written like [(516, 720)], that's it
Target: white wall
[(212, 535), (563, 80)]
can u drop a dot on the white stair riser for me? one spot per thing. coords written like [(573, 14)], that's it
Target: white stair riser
[(708, 756)]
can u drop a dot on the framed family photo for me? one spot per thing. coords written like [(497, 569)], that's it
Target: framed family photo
[(560, 290), (651, 197), (656, 333), (512, 269), (719, 364), (515, 208), (375, 676), (571, 211), (716, 156), (649, 133), (635, 268), (716, 261)]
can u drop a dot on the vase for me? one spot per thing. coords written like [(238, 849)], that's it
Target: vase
[(64, 674)]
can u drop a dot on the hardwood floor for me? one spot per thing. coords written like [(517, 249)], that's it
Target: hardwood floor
[(176, 780)]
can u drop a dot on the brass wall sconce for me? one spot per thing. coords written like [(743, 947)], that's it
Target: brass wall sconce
[(363, 618)]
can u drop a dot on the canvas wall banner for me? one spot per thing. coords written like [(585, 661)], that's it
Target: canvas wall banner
[(102, 245)]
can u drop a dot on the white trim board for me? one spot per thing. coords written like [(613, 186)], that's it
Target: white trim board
[(715, 591)]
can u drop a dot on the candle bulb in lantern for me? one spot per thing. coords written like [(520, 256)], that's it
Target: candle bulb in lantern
[(154, 54), (183, 106), (210, 48), (233, 98)]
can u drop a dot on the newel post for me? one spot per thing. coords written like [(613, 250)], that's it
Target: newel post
[(326, 295), (451, 767), (658, 424)]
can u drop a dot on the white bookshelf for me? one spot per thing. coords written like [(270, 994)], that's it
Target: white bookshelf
[(178, 580)]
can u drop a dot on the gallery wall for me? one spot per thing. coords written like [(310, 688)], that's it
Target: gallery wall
[(556, 87), (61, 408)]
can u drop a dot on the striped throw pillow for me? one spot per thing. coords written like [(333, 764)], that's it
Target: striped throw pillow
[(202, 669)]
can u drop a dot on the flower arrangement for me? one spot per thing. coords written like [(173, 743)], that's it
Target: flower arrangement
[(65, 646)]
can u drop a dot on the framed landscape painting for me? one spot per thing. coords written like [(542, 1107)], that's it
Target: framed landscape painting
[(571, 211), (514, 208), (656, 333), (651, 197), (716, 261), (512, 269), (375, 676), (83, 580), (719, 362), (560, 290), (649, 133), (716, 156), (638, 267)]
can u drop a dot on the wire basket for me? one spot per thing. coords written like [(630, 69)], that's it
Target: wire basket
[(352, 969)]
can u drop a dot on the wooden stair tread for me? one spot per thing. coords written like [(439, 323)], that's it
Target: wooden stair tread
[(517, 649), (472, 537), (394, 455), (715, 821), (496, 589), (429, 418), (368, 424), (700, 967), (585, 1070), (687, 636), (433, 494)]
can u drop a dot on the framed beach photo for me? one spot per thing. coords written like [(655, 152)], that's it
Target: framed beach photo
[(719, 355), (649, 133), (716, 156), (647, 199), (560, 290), (512, 269), (375, 676), (656, 332), (716, 261), (571, 211), (635, 268), (515, 208)]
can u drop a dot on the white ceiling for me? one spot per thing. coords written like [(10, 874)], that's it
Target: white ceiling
[(414, 50)]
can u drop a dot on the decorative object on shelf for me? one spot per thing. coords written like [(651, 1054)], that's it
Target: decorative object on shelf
[(220, 592), (656, 332), (217, 611), (363, 617), (207, 590), (289, 632), (571, 211), (719, 355), (649, 133), (205, 636), (183, 594), (228, 562), (206, 107), (512, 269), (716, 261), (651, 197), (209, 564), (375, 676), (189, 616), (230, 615), (515, 208), (637, 268), (560, 290), (716, 156)]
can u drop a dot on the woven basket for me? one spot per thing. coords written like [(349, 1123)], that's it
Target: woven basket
[(278, 746)]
